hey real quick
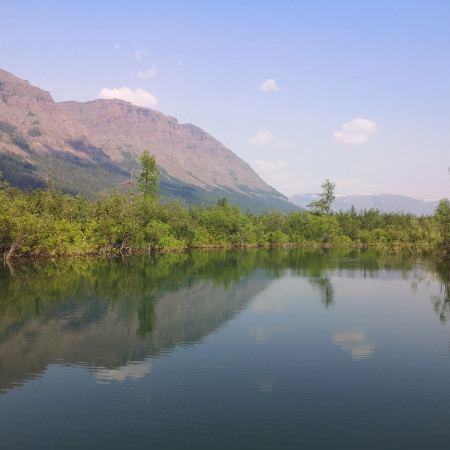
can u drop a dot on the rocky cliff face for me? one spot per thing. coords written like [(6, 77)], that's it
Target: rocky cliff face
[(185, 151), (32, 121)]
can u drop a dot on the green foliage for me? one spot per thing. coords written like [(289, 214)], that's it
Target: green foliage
[(323, 206), (442, 216), (135, 286), (20, 141), (35, 132), (75, 176), (20, 173), (148, 180), (7, 128), (52, 223)]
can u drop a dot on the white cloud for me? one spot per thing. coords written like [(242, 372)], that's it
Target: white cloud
[(268, 86), (357, 131), (284, 143), (270, 168), (265, 137), (148, 73), (262, 137), (138, 54), (138, 97), (356, 185), (289, 182), (117, 47), (356, 343), (277, 175)]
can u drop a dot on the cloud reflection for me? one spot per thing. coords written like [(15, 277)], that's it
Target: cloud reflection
[(264, 386), (132, 371), (263, 334), (278, 305), (260, 334), (356, 343)]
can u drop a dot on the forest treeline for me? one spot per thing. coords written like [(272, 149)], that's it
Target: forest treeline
[(49, 223)]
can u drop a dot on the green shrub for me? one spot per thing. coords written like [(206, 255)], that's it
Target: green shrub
[(35, 132), (20, 141), (8, 128)]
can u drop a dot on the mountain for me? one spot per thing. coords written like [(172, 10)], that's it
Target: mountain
[(36, 133), (90, 147), (188, 155), (46, 127), (381, 202)]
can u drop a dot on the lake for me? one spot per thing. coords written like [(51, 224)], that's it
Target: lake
[(266, 349)]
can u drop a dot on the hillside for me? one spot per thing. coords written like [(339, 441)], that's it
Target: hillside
[(195, 165), (89, 147), (36, 134)]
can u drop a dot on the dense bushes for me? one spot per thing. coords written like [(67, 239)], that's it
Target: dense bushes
[(49, 223)]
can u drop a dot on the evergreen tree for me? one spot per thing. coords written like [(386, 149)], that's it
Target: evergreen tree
[(148, 180)]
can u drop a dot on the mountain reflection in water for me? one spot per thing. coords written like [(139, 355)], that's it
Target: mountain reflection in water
[(110, 315), (264, 348)]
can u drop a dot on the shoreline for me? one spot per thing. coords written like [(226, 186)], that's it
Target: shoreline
[(107, 252)]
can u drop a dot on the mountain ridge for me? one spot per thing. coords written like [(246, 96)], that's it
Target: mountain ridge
[(145, 127), (90, 145)]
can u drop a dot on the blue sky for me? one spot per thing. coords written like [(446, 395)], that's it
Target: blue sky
[(354, 91)]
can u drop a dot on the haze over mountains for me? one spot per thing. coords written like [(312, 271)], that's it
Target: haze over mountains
[(90, 146), (381, 202)]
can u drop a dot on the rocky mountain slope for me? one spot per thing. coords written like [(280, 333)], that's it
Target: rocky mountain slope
[(185, 151), (38, 124), (89, 147)]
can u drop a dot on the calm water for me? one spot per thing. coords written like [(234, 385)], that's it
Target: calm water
[(241, 349)]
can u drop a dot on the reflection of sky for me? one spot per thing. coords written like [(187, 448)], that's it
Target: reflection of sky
[(132, 371), (264, 386), (263, 334), (260, 334), (356, 343), (281, 296)]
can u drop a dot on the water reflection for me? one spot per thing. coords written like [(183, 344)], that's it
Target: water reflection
[(260, 335), (263, 334), (441, 302), (113, 315), (131, 371), (356, 343), (325, 288), (427, 272), (264, 386)]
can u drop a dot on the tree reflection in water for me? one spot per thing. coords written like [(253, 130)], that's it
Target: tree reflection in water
[(107, 313)]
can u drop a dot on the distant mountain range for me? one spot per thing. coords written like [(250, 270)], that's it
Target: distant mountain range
[(90, 148), (381, 202)]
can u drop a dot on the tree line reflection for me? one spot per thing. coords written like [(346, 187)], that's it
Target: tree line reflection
[(137, 283), (106, 313)]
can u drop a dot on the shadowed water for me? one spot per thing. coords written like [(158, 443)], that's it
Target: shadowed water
[(226, 349)]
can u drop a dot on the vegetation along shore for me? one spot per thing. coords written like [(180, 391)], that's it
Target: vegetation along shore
[(50, 223)]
